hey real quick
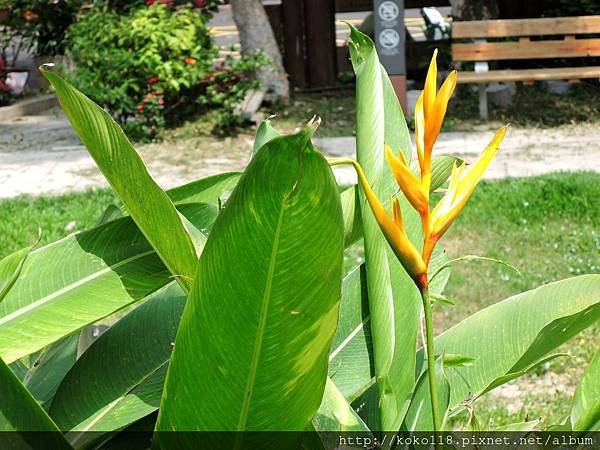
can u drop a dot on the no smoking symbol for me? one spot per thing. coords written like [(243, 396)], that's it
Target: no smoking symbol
[(389, 38), (388, 11)]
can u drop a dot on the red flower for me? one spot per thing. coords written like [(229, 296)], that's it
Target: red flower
[(161, 101), (190, 60), (153, 79), (140, 107), (30, 16), (149, 2)]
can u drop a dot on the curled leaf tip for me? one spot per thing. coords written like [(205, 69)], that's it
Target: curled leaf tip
[(314, 123), (47, 66)]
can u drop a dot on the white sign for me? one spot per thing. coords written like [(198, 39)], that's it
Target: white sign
[(388, 11), (389, 38)]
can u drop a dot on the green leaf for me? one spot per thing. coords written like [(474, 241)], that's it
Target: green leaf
[(251, 350), (452, 360), (336, 415), (119, 379), (392, 297), (512, 335), (148, 204), (351, 359), (19, 412), (419, 417), (585, 415), (43, 371), (80, 279), (352, 216), (205, 190), (264, 134), (10, 268), (441, 169), (517, 373)]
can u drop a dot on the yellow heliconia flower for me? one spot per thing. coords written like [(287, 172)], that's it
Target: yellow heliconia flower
[(412, 187), (430, 111), (393, 230), (461, 186)]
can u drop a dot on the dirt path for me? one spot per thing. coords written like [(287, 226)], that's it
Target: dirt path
[(42, 155)]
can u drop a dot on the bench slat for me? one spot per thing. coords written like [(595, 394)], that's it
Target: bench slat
[(526, 27), (495, 51), (561, 73)]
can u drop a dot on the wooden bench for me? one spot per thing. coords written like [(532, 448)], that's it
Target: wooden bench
[(571, 45)]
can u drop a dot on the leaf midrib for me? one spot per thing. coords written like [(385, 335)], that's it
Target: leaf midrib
[(243, 419)]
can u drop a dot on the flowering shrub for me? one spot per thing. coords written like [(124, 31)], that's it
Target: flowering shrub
[(41, 25), (227, 86), (138, 66)]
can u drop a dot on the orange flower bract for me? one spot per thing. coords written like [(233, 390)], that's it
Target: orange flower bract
[(430, 111)]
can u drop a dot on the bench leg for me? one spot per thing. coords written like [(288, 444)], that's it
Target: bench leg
[(483, 105)]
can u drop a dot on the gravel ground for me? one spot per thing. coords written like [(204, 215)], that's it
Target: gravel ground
[(42, 155)]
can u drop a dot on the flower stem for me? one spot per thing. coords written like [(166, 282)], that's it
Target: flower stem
[(431, 359)]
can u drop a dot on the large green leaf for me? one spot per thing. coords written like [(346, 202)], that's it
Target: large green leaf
[(20, 412), (119, 379), (392, 298), (336, 414), (418, 416), (42, 372), (204, 190), (350, 360), (80, 279), (251, 350), (379, 120), (10, 268), (516, 333), (585, 415), (265, 133), (148, 204), (352, 216)]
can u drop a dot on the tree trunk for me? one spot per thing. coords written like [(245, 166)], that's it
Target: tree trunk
[(256, 34), (474, 9)]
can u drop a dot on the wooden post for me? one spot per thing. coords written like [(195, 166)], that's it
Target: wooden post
[(294, 56), (399, 83), (388, 18), (319, 16)]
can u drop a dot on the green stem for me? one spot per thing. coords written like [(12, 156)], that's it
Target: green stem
[(431, 359)]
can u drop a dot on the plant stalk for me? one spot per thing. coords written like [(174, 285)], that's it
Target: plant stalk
[(431, 359)]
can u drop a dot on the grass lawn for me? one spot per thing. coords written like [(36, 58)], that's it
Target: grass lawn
[(548, 227)]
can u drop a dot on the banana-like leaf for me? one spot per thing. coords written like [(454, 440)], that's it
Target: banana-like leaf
[(80, 279), (10, 268), (419, 417), (205, 190), (251, 349), (23, 418), (265, 133), (119, 379), (42, 372), (336, 414), (352, 216), (393, 300), (514, 334), (148, 204), (350, 205), (585, 415)]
